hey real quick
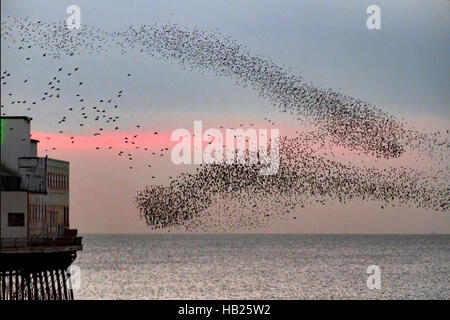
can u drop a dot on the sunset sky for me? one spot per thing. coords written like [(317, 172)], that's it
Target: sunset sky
[(402, 68)]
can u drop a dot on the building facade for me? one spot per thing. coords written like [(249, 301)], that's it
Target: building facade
[(34, 190), (57, 197), (36, 245), (14, 222)]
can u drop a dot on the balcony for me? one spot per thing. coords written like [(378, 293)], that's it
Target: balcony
[(17, 245)]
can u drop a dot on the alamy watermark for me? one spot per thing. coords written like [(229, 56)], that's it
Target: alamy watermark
[(373, 22), (374, 280), (74, 277), (240, 146), (74, 20)]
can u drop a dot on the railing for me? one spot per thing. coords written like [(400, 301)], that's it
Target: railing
[(13, 242), (40, 242)]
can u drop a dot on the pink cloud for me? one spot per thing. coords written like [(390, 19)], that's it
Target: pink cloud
[(104, 140)]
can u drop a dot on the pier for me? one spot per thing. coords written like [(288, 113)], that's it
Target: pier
[(39, 270), (37, 246)]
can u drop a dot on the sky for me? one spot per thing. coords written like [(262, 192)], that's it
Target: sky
[(403, 68)]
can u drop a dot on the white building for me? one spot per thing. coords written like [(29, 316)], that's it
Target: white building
[(34, 190)]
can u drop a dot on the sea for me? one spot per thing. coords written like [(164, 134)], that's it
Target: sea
[(262, 266)]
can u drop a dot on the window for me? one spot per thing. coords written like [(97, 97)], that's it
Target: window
[(53, 219), (16, 219), (66, 216)]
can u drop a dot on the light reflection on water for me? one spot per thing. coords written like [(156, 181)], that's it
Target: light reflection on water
[(262, 266)]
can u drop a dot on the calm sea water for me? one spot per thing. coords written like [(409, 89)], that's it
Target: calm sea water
[(262, 266)]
